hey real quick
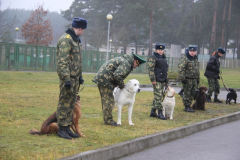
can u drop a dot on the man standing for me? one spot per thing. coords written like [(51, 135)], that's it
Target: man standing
[(110, 75), (69, 69), (188, 70)]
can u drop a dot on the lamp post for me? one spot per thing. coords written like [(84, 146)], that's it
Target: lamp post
[(110, 40), (16, 29), (109, 18)]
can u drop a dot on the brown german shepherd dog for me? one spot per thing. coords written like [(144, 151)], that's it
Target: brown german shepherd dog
[(50, 125)]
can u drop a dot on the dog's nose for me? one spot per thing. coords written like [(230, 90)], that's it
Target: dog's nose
[(139, 90)]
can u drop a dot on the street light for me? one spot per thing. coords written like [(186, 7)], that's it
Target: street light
[(109, 18), (16, 29), (110, 40)]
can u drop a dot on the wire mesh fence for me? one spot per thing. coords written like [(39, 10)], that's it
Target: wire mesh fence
[(24, 57)]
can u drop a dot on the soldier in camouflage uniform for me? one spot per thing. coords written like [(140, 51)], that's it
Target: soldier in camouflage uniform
[(69, 69), (188, 70), (182, 90), (212, 74), (110, 75), (157, 70)]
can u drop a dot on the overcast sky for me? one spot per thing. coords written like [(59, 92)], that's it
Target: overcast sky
[(51, 5)]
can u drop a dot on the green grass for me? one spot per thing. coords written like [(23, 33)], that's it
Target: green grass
[(28, 98)]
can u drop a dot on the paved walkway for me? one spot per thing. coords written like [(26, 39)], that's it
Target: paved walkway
[(217, 143)]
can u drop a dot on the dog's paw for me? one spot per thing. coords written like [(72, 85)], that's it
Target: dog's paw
[(82, 135), (131, 124), (171, 118)]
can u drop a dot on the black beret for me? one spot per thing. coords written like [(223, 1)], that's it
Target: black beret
[(160, 46), (78, 22), (140, 60), (192, 47), (221, 50)]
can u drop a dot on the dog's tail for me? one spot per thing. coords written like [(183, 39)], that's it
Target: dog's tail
[(34, 132)]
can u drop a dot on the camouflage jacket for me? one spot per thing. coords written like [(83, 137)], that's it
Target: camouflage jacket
[(69, 58), (188, 68), (112, 73), (152, 68)]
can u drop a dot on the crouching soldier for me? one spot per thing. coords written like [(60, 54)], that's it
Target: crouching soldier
[(157, 70), (188, 70), (110, 75)]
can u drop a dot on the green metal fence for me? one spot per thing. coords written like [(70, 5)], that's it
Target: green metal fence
[(24, 57)]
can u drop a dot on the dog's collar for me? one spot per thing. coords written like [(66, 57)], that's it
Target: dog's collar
[(127, 90), (170, 96)]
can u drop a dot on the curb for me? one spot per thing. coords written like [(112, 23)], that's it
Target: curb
[(139, 144)]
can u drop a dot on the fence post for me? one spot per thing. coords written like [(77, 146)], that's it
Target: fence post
[(44, 57), (7, 56), (16, 54), (37, 55)]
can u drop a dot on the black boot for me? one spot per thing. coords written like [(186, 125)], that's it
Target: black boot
[(216, 99), (181, 92), (63, 133), (153, 113), (70, 133), (188, 109), (208, 99), (160, 115)]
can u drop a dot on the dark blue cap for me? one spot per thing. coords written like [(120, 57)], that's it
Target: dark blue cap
[(192, 47), (160, 46), (78, 22), (221, 50)]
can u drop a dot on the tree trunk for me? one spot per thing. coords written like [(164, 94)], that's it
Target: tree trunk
[(223, 26), (136, 40), (238, 43), (213, 37), (151, 28), (228, 25)]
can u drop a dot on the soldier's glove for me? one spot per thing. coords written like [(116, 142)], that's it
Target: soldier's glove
[(81, 80), (166, 86), (68, 84), (184, 81)]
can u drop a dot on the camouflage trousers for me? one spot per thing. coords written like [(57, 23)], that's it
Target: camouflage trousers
[(158, 95), (189, 91), (107, 103), (66, 103), (213, 86)]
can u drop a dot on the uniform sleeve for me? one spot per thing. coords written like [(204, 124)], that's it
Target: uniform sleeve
[(63, 60), (120, 73), (182, 68), (151, 69)]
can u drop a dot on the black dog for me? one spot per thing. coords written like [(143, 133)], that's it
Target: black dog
[(232, 95), (200, 98)]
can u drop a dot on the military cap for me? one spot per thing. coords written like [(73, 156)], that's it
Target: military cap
[(139, 59), (78, 22), (160, 46), (221, 50), (192, 47)]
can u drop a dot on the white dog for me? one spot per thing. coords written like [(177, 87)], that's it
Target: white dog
[(169, 103), (126, 96)]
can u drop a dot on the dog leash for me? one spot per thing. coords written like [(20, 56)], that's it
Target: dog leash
[(225, 86)]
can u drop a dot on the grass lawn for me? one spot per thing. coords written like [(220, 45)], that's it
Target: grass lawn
[(28, 98)]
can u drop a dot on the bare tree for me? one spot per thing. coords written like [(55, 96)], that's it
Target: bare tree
[(5, 23)]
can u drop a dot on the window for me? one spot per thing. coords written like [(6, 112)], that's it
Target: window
[(143, 51), (122, 50), (132, 50)]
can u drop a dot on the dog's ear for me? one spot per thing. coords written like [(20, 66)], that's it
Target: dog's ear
[(78, 97)]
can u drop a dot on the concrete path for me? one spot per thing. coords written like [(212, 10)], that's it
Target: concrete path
[(217, 143)]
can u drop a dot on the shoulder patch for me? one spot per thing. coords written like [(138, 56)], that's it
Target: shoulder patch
[(68, 36)]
